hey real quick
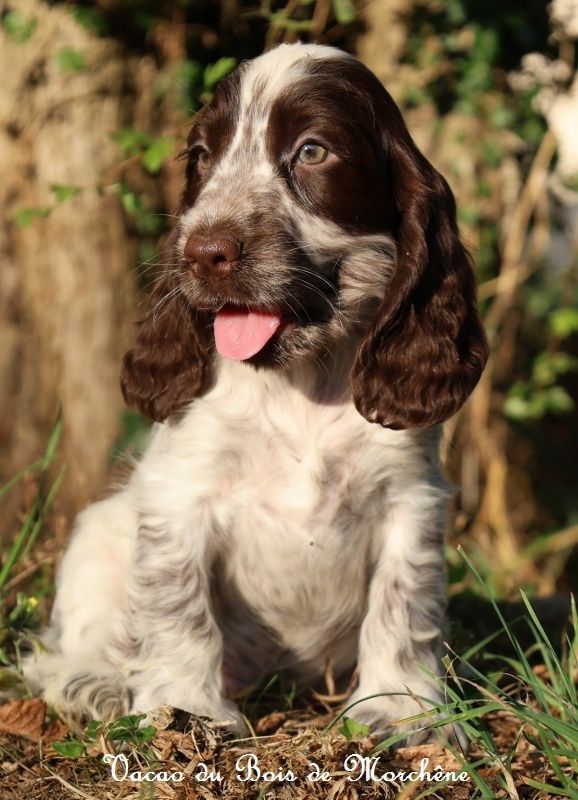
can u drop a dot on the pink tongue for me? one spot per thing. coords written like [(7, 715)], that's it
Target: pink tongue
[(240, 333)]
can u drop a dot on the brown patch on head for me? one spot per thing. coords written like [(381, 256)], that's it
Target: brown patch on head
[(329, 105)]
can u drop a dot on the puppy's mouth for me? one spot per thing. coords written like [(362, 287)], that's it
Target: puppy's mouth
[(241, 332)]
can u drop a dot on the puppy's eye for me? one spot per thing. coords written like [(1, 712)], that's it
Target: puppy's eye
[(201, 157), (312, 153)]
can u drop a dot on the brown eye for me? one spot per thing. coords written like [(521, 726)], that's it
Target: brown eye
[(312, 153)]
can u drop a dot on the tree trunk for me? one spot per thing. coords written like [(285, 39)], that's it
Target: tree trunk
[(67, 280)]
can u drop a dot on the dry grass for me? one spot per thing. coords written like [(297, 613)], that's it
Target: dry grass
[(283, 740), (31, 770)]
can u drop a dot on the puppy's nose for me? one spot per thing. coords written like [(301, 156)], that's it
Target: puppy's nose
[(212, 257)]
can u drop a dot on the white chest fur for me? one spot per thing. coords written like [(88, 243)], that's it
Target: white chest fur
[(291, 491)]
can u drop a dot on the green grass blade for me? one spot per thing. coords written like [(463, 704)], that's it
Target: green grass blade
[(19, 476), (53, 491), (548, 652), (52, 445), (19, 544), (527, 669), (33, 523), (548, 788)]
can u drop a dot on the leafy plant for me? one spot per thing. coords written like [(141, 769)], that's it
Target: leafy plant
[(90, 18), (214, 73), (70, 60), (63, 193), (18, 26), (344, 10), (157, 152), (353, 730), (136, 205), (24, 217), (153, 152), (127, 730), (541, 394)]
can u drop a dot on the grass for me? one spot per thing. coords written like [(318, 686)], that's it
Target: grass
[(518, 707)]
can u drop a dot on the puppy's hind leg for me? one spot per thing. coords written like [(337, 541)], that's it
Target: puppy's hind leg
[(73, 669)]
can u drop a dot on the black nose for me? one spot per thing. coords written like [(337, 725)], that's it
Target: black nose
[(212, 257)]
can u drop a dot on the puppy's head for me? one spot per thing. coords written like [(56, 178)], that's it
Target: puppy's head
[(309, 215)]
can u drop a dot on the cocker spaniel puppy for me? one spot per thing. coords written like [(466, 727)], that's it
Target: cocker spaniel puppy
[(316, 325)]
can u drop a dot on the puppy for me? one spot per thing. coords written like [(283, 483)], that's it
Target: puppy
[(314, 324)]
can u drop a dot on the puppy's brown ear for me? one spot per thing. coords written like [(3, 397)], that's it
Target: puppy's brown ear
[(426, 348), (169, 364)]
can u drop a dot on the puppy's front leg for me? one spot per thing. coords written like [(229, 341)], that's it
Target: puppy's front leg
[(401, 634), (175, 650)]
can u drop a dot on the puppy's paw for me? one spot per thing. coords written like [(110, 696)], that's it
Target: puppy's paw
[(390, 714), (77, 690), (219, 710), (227, 714)]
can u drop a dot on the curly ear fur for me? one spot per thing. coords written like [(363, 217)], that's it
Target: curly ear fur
[(426, 348), (169, 364)]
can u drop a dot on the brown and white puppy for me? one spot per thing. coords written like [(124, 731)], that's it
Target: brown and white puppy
[(315, 284)]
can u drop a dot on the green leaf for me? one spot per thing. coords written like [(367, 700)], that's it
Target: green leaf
[(18, 26), (501, 117), (280, 20), (157, 153), (214, 73), (353, 730), (558, 401), (91, 19), (344, 11), (131, 201), (52, 446), (92, 729), (70, 60), (71, 748), (564, 322), (134, 204), (10, 680), (127, 729), (548, 366), (26, 216), (132, 141), (546, 787), (63, 192)]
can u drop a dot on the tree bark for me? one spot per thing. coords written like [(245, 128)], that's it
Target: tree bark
[(67, 280)]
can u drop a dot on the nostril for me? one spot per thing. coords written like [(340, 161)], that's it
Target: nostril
[(214, 256), (228, 249)]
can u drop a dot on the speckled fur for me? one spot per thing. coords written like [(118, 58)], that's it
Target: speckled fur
[(269, 526)]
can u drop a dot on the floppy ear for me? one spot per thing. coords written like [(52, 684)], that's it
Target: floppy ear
[(426, 348), (169, 364)]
